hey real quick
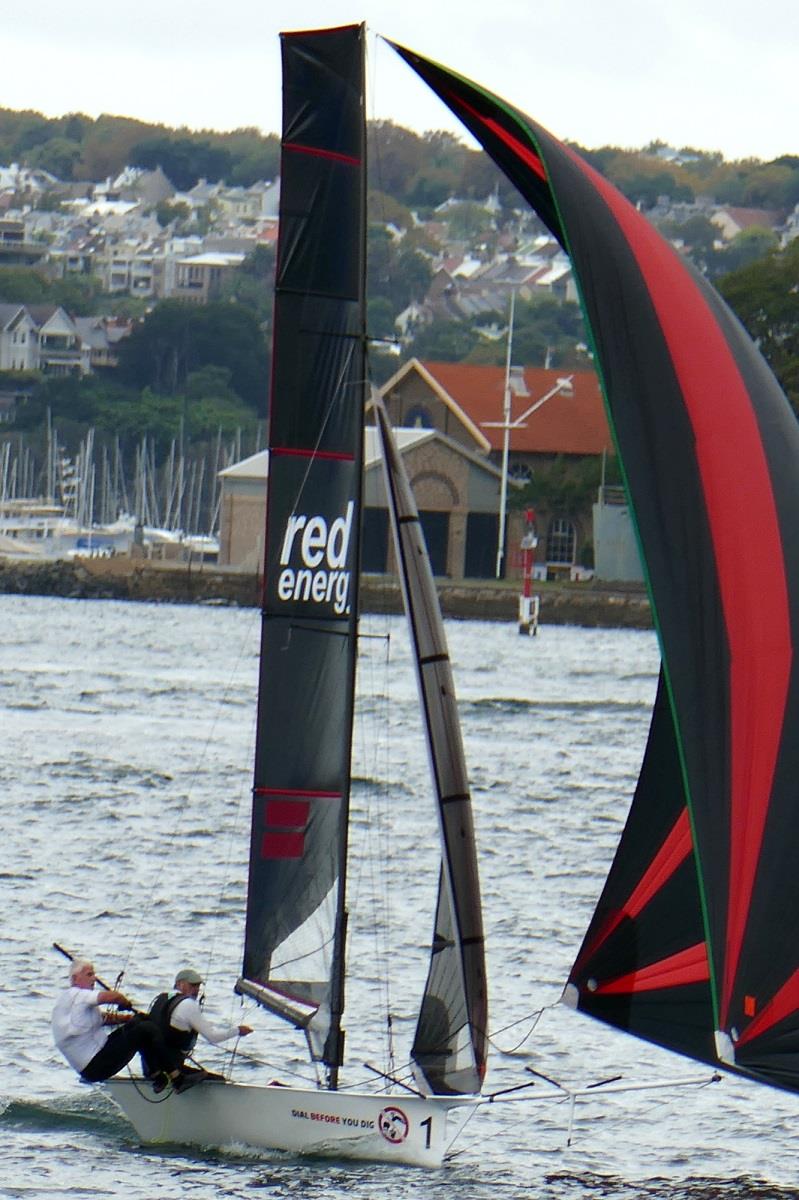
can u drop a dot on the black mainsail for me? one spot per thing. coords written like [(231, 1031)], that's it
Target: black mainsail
[(449, 1049), (295, 927), (296, 918), (688, 946)]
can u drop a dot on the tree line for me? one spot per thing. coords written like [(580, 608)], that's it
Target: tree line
[(416, 170)]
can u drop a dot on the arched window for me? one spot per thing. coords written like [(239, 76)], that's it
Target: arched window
[(561, 541), (418, 417)]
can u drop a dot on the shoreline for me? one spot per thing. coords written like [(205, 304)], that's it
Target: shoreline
[(621, 606)]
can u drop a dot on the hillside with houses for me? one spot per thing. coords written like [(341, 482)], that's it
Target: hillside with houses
[(136, 308), (134, 241)]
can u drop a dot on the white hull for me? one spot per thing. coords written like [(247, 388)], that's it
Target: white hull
[(400, 1129)]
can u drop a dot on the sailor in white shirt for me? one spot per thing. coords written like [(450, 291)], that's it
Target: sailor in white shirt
[(83, 1031)]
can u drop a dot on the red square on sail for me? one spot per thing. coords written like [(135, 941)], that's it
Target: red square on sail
[(282, 845), (750, 1006), (286, 821), (287, 814)]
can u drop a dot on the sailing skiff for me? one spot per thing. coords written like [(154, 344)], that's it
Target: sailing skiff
[(687, 947), (294, 953)]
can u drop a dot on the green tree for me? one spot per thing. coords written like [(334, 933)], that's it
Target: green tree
[(107, 144), (698, 233), (58, 155), (253, 283), (547, 331), (746, 247), (78, 294), (765, 295), (395, 271), (563, 487), (23, 285), (184, 160), (380, 318), (176, 339), (444, 341), (396, 155), (254, 156), (167, 211), (771, 185), (211, 405), (383, 209), (469, 222)]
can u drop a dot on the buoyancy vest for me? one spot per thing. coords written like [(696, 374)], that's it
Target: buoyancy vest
[(161, 1011)]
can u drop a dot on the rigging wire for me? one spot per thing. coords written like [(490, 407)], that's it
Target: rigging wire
[(244, 647), (373, 738), (533, 1018)]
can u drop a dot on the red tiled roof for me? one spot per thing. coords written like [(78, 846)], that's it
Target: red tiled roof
[(565, 424)]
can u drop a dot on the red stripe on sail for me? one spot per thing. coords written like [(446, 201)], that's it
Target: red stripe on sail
[(781, 1005), (301, 452), (318, 152), (742, 512), (272, 791), (671, 855), (678, 970), (522, 151)]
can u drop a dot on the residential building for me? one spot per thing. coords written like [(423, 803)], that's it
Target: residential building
[(40, 337), (101, 337), (732, 221), (19, 344), (199, 277), (60, 349), (130, 267), (16, 250)]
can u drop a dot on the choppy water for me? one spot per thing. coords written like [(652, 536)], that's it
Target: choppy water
[(125, 754)]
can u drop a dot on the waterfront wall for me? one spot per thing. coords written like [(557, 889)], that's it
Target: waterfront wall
[(122, 578)]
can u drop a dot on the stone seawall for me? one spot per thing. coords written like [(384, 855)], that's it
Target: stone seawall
[(136, 579)]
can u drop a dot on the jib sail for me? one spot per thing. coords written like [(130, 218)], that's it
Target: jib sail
[(450, 1045), (688, 947), (294, 938)]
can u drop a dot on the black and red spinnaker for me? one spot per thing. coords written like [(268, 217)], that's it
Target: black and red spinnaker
[(691, 945)]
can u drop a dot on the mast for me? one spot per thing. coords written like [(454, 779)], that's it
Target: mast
[(296, 911), (506, 428), (449, 1049)]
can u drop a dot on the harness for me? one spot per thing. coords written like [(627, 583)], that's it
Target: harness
[(161, 1011)]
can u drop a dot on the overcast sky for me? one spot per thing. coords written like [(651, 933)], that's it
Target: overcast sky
[(717, 76)]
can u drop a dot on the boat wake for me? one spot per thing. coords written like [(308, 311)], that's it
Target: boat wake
[(511, 705), (93, 1113)]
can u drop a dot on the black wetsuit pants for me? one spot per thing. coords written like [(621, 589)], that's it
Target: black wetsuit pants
[(138, 1035)]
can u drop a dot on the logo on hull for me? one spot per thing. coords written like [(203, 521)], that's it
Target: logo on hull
[(393, 1124)]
